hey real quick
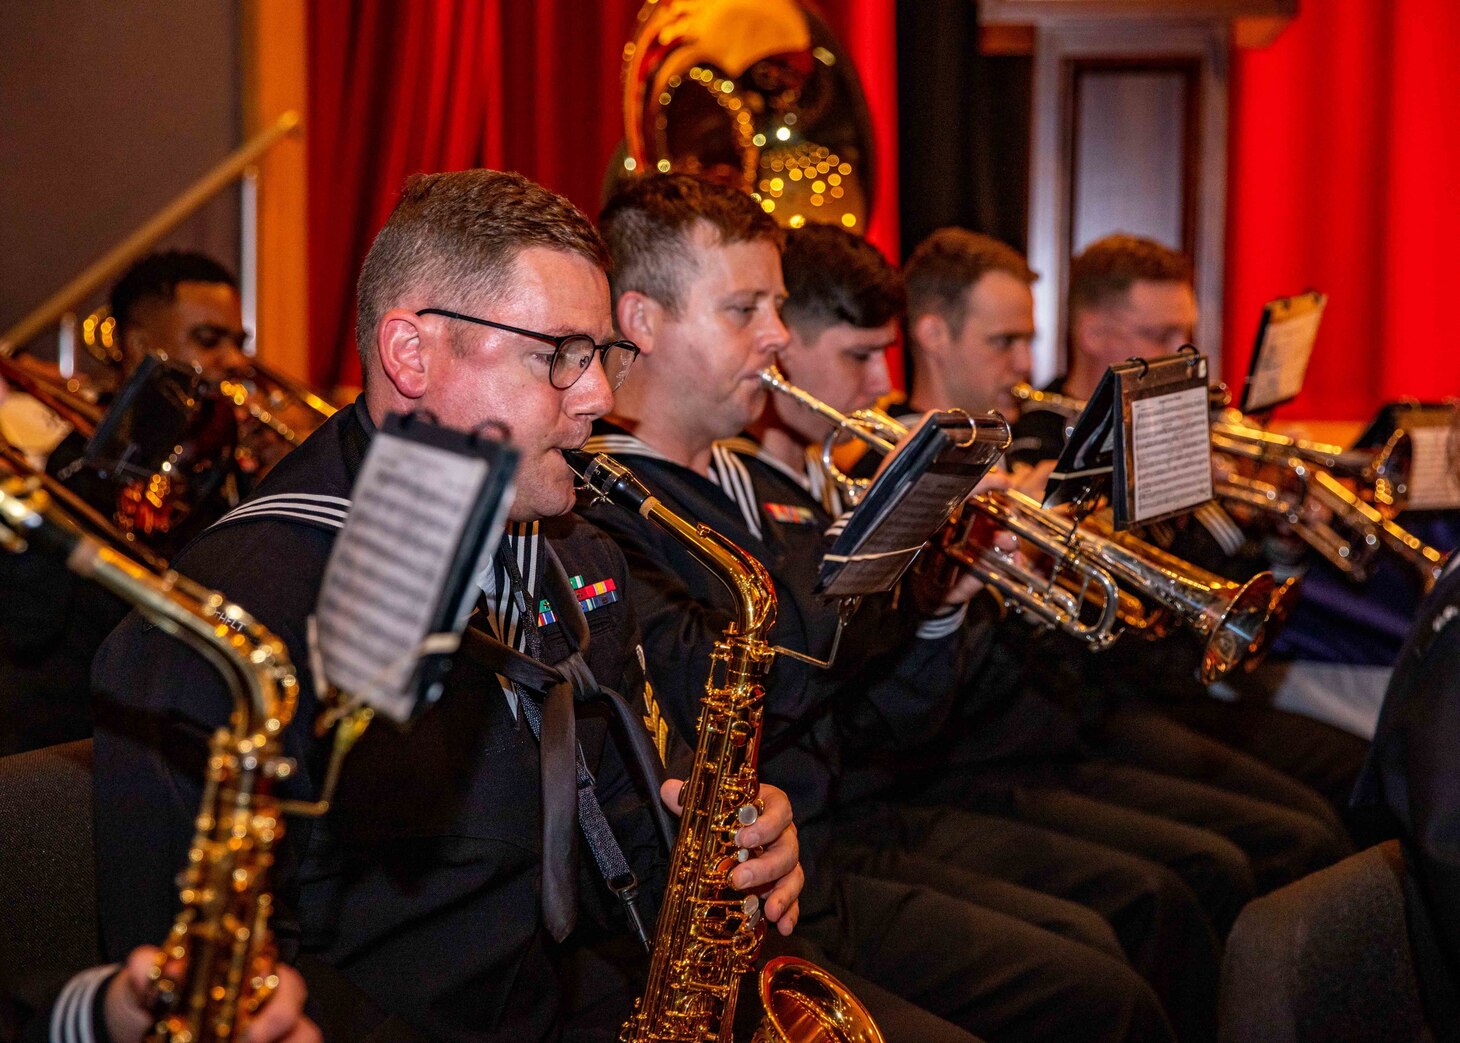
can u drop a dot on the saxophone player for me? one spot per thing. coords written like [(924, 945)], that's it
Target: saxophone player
[(698, 285), (115, 1004), (480, 875)]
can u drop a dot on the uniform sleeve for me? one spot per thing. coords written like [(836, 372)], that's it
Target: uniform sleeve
[(913, 686)]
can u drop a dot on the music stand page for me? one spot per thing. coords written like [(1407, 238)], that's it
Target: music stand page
[(1285, 338), (1165, 468), (1432, 484), (917, 490), (426, 514)]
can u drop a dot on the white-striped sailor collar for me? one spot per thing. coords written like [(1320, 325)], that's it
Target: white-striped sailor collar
[(523, 542), (314, 508), (726, 470)]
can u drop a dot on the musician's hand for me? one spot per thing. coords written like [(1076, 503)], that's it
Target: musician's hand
[(774, 869), (127, 1006), (4, 389), (1030, 479)]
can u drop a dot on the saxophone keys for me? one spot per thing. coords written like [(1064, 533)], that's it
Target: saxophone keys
[(751, 908), (748, 814)]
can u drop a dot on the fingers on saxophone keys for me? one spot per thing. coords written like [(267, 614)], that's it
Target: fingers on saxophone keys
[(746, 875)]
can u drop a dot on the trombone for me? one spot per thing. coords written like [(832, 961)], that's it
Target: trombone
[(1097, 578)]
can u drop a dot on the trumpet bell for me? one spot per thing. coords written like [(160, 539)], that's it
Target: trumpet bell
[(805, 1004), (1284, 600), (1238, 627)]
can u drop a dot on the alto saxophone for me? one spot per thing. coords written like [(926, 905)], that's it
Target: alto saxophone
[(217, 966), (708, 934)]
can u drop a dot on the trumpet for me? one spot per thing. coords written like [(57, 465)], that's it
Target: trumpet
[(278, 403), (1350, 528), (1097, 578)]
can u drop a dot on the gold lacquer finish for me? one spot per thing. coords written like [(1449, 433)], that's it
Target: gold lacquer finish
[(708, 933), (216, 967), (754, 93)]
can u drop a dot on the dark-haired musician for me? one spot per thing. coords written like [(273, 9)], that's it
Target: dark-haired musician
[(844, 305), (698, 285), (450, 894), (184, 307)]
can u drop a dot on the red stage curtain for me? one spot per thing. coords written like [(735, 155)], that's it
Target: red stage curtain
[(1345, 158), (400, 87)]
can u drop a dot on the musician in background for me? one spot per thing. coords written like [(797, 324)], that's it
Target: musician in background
[(697, 284), (443, 897), (968, 302), (843, 309), (1132, 297), (183, 305), (179, 305)]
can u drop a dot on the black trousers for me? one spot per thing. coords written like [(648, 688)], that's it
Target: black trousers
[(913, 925), (992, 975)]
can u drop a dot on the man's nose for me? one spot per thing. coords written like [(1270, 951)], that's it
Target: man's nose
[(1021, 358), (591, 394), (878, 378), (772, 337)]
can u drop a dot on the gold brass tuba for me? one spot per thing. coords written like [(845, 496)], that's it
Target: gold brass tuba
[(757, 94), (708, 934), (1124, 579)]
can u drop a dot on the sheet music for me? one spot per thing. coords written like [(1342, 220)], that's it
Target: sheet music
[(902, 531), (1171, 450), (919, 487), (387, 573), (1282, 358), (1432, 481)]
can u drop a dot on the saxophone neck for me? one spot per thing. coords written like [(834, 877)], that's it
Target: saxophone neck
[(744, 576), (253, 663)]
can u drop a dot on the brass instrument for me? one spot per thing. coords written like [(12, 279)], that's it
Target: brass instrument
[(68, 399), (221, 936), (216, 967), (760, 96), (708, 934), (1349, 527), (1076, 596), (276, 412), (1092, 568)]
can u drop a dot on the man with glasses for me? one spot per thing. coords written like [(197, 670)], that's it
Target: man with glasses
[(442, 897)]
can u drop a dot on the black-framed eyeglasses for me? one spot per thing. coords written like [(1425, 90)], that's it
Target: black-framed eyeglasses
[(572, 354)]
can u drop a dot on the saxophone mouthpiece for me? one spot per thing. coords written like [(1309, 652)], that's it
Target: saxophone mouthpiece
[(608, 479)]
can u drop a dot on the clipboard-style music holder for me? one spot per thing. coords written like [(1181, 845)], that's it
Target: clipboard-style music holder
[(1143, 440), (426, 514), (1415, 444), (912, 497), (1284, 344)]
